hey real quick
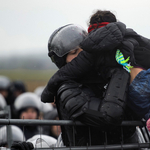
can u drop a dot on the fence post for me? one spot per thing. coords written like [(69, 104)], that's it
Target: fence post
[(9, 131)]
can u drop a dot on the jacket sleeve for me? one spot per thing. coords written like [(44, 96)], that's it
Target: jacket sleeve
[(139, 97), (133, 46), (74, 70), (105, 38), (137, 47)]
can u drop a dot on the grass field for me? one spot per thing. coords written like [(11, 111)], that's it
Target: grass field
[(31, 78)]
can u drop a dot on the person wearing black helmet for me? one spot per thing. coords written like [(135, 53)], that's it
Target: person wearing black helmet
[(83, 94), (62, 42), (27, 106)]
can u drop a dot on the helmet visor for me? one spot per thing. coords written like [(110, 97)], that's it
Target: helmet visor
[(67, 39)]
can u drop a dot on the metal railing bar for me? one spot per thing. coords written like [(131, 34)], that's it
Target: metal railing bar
[(56, 122), (100, 147)]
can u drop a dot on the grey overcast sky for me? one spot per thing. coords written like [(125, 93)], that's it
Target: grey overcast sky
[(26, 25)]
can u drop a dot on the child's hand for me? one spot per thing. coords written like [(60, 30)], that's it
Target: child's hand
[(120, 59), (148, 124)]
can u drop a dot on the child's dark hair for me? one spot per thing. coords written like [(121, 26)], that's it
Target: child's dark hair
[(102, 16)]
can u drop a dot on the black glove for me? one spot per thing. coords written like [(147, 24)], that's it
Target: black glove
[(47, 96), (22, 146)]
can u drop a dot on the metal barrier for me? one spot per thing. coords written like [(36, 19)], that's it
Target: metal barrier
[(6, 113), (8, 122), (100, 147), (57, 122)]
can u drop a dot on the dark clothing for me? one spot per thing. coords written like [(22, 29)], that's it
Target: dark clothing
[(73, 99), (68, 72), (102, 44), (117, 36), (29, 131), (99, 100), (108, 107)]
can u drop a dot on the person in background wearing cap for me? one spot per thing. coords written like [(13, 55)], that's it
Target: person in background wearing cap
[(27, 106), (48, 112), (16, 135)]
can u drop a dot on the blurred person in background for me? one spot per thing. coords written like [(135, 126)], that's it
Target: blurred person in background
[(42, 141), (44, 107), (37, 141), (3, 103), (38, 91), (27, 106), (5, 84), (48, 111), (16, 132), (17, 87), (53, 130)]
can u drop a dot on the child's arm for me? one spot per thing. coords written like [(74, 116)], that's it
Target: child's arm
[(139, 94), (134, 72)]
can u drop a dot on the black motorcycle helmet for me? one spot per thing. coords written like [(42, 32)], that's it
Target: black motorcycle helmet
[(63, 40)]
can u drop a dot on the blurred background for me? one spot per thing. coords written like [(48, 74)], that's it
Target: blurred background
[(27, 25)]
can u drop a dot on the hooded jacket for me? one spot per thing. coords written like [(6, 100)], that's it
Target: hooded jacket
[(117, 36)]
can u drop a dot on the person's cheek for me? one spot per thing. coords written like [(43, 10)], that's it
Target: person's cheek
[(23, 116)]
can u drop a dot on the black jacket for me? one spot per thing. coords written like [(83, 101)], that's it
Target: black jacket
[(116, 36), (85, 62), (99, 53), (91, 67)]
